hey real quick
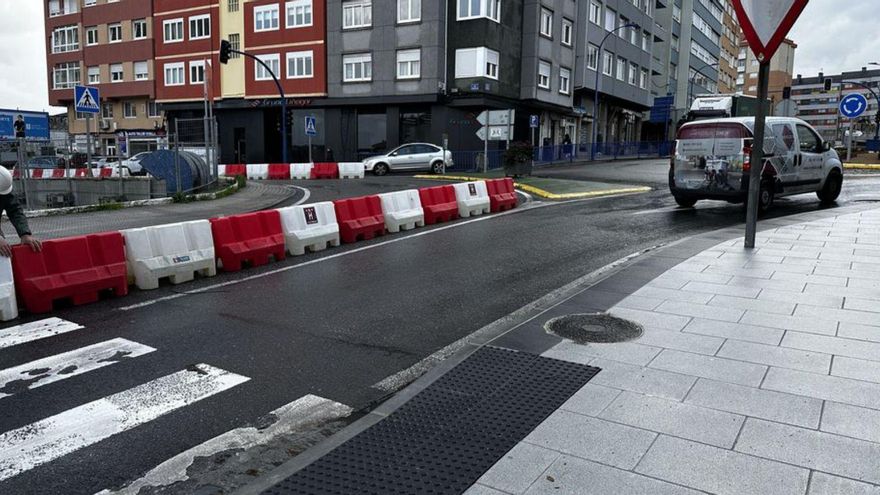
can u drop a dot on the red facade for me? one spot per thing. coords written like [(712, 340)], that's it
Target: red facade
[(187, 50)]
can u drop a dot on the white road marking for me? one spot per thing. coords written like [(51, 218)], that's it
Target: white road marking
[(60, 366), (36, 330), (292, 417), (306, 195), (35, 444)]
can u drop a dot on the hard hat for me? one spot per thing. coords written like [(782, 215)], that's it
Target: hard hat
[(5, 180)]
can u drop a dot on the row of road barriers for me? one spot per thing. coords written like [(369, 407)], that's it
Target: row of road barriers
[(290, 171), (81, 268), (73, 173)]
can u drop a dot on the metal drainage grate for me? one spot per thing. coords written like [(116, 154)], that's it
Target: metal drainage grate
[(598, 328), (447, 436)]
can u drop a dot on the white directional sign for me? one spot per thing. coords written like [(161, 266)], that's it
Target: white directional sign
[(765, 23), (496, 133), (496, 117)]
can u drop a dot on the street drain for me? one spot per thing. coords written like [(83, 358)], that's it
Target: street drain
[(597, 328)]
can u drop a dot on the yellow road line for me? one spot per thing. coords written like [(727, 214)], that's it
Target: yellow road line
[(541, 192), (860, 166)]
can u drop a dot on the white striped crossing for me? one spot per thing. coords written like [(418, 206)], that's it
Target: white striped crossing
[(61, 366), (41, 442), (36, 330)]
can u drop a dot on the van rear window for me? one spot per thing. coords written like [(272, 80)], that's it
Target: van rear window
[(717, 131)]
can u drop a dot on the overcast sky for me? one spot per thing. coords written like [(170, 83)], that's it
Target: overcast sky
[(832, 35)]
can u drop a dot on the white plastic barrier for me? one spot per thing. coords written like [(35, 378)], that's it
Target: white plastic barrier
[(258, 172), (472, 198), (402, 210), (221, 170), (309, 226), (301, 170), (125, 172), (8, 303), (96, 172), (351, 170), (175, 251)]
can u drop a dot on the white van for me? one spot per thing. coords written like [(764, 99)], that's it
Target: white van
[(711, 161)]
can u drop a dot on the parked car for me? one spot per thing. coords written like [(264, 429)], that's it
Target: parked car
[(46, 162), (134, 163), (413, 156), (711, 160)]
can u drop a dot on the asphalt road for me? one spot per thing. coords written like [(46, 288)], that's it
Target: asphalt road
[(334, 324)]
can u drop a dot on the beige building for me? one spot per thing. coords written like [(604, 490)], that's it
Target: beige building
[(781, 72), (730, 41)]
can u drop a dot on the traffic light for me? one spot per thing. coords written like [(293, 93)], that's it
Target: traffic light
[(225, 51), (828, 84)]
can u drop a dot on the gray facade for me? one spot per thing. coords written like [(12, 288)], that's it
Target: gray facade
[(552, 50)]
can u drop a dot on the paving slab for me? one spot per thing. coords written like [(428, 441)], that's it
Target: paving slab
[(574, 476), (757, 403)]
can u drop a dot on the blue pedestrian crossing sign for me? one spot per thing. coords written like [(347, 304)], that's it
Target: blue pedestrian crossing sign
[(311, 127), (87, 99), (534, 121), (853, 105)]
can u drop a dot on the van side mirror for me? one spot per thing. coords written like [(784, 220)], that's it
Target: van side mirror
[(825, 146)]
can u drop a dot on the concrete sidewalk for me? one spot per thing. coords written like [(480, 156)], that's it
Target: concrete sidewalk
[(758, 373)]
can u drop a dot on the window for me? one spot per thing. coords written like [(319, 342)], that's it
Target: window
[(94, 75), (299, 13), (634, 36), (266, 18), (633, 74), (643, 79), (810, 142), (567, 29), (409, 64), (89, 3), (409, 10), (621, 69), (175, 74), (114, 32), (91, 35), (200, 27), (676, 13), (596, 13), (607, 63), (544, 69), (141, 71), (173, 30), (129, 110), (646, 41), (564, 81), (116, 74), (592, 57), (476, 62), (623, 32), (232, 6), (547, 23), (235, 44), (610, 19), (273, 61), (300, 65), (65, 39), (139, 29), (197, 72), (357, 14), (357, 67), (706, 29), (153, 109), (472, 9), (107, 110)]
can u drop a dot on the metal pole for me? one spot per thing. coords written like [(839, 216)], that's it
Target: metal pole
[(89, 144), (283, 102), (757, 160), (177, 155), (596, 92), (23, 166), (509, 118), (849, 142), (310, 149), (486, 142)]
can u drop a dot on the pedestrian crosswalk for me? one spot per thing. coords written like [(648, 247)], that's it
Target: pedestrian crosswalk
[(50, 438)]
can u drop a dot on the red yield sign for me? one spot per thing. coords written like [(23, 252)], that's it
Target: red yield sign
[(766, 23)]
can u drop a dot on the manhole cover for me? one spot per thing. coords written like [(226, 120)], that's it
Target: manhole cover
[(599, 328)]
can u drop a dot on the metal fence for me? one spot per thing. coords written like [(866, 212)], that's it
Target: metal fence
[(198, 137)]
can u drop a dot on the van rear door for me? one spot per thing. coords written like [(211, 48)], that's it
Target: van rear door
[(710, 157)]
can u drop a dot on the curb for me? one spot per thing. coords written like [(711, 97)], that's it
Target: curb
[(541, 193), (860, 166)]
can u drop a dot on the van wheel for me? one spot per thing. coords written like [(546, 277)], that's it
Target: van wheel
[(831, 190), (765, 197), (685, 202)]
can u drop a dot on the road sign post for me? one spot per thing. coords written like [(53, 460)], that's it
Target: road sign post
[(852, 106), (311, 130), (765, 23), (87, 100)]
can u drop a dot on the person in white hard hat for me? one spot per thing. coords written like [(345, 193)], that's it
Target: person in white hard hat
[(13, 210)]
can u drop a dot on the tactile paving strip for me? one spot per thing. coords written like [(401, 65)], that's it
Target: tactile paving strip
[(443, 439)]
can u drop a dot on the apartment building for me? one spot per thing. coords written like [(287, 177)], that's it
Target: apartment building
[(107, 44), (781, 74), (820, 108), (730, 42)]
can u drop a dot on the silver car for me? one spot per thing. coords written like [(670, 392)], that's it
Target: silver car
[(413, 156)]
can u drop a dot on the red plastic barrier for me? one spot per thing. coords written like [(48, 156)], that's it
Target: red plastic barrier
[(279, 171), (106, 172), (359, 218), (439, 204), (16, 173), (325, 171), (75, 267), (501, 194), (233, 170), (58, 173), (82, 172), (252, 237), (37, 173)]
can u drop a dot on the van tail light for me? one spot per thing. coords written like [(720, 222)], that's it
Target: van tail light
[(672, 156), (747, 159)]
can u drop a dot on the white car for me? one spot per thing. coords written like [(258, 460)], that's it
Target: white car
[(133, 164), (711, 160), (413, 156)]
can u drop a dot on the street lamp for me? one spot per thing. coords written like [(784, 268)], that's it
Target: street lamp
[(598, 80), (691, 81)]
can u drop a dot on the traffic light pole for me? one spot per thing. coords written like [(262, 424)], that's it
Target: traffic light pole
[(283, 101)]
